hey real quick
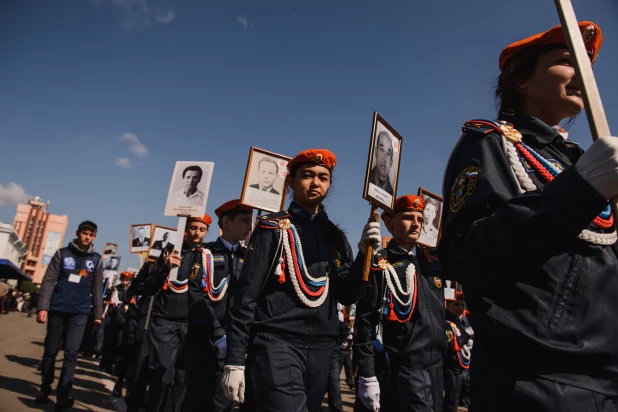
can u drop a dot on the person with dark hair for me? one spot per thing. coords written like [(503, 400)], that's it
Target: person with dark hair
[(162, 244), (383, 153), (73, 283), (169, 323), (209, 303), (529, 233), (283, 313), (457, 358), (141, 240), (268, 169), (431, 223), (405, 301), (189, 195)]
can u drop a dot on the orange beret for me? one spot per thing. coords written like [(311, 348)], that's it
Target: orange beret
[(322, 157), (126, 275), (206, 219), (410, 203), (232, 205), (591, 33)]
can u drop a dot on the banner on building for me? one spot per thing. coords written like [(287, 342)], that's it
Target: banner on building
[(52, 245)]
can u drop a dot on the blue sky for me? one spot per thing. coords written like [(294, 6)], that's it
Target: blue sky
[(205, 80)]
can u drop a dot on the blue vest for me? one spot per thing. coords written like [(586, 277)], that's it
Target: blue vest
[(73, 291)]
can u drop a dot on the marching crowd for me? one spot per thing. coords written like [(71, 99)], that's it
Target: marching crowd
[(527, 231)]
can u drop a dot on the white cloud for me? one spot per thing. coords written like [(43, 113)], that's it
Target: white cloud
[(166, 17), (137, 15), (246, 23), (124, 162), (12, 194), (136, 147)]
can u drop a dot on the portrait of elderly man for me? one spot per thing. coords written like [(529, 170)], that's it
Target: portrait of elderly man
[(268, 169), (189, 195), (383, 156)]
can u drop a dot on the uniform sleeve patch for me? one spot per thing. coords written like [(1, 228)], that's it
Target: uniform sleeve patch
[(463, 187), (195, 270)]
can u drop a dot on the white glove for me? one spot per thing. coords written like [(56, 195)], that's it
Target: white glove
[(599, 166), (370, 237), (233, 382), (369, 392), (221, 345)]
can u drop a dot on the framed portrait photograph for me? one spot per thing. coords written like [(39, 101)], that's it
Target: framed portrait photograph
[(450, 289), (110, 249), (162, 237), (140, 237), (432, 218), (264, 187), (383, 164), (112, 264), (385, 240), (189, 188)]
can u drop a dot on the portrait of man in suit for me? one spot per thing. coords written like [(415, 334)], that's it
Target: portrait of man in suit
[(141, 240), (113, 263), (383, 155), (162, 244), (268, 169)]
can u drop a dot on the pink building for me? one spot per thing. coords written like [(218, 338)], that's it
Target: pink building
[(43, 234)]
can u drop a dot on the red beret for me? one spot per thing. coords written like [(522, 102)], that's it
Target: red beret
[(126, 275), (232, 205), (410, 203), (322, 157), (206, 219), (593, 38)]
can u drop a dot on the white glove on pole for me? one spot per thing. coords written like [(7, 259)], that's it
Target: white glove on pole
[(599, 166), (370, 237), (369, 392), (221, 345), (233, 382)]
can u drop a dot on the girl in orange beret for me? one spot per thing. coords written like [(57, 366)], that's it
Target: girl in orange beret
[(529, 234), (283, 322)]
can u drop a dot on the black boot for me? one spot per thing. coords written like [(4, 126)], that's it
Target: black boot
[(62, 404), (117, 392), (42, 397)]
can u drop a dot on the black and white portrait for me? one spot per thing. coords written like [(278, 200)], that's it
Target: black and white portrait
[(383, 164), (140, 238), (189, 189), (430, 232), (264, 186), (110, 249), (162, 237), (112, 263)]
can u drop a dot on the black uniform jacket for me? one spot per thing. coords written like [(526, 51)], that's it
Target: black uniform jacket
[(261, 304), (202, 311), (168, 304), (451, 361), (418, 343), (134, 296), (542, 302)]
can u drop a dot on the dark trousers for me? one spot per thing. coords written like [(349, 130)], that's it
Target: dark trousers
[(505, 391), (454, 379), (345, 362), (167, 365), (138, 372), (334, 382), (409, 390), (72, 326), (285, 376), (203, 376)]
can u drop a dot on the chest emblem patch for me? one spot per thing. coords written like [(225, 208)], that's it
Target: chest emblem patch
[(437, 281), (463, 187)]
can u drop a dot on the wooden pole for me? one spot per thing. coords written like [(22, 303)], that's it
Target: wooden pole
[(587, 83), (180, 235), (369, 254)]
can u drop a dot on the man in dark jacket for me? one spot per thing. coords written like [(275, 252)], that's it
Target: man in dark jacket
[(72, 284)]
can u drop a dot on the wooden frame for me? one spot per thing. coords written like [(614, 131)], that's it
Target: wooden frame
[(263, 197), (105, 248), (153, 240), (137, 249), (426, 238), (381, 195), (385, 240)]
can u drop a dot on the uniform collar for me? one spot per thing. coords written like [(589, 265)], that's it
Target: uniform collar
[(299, 211), (394, 247), (228, 245), (533, 128)]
